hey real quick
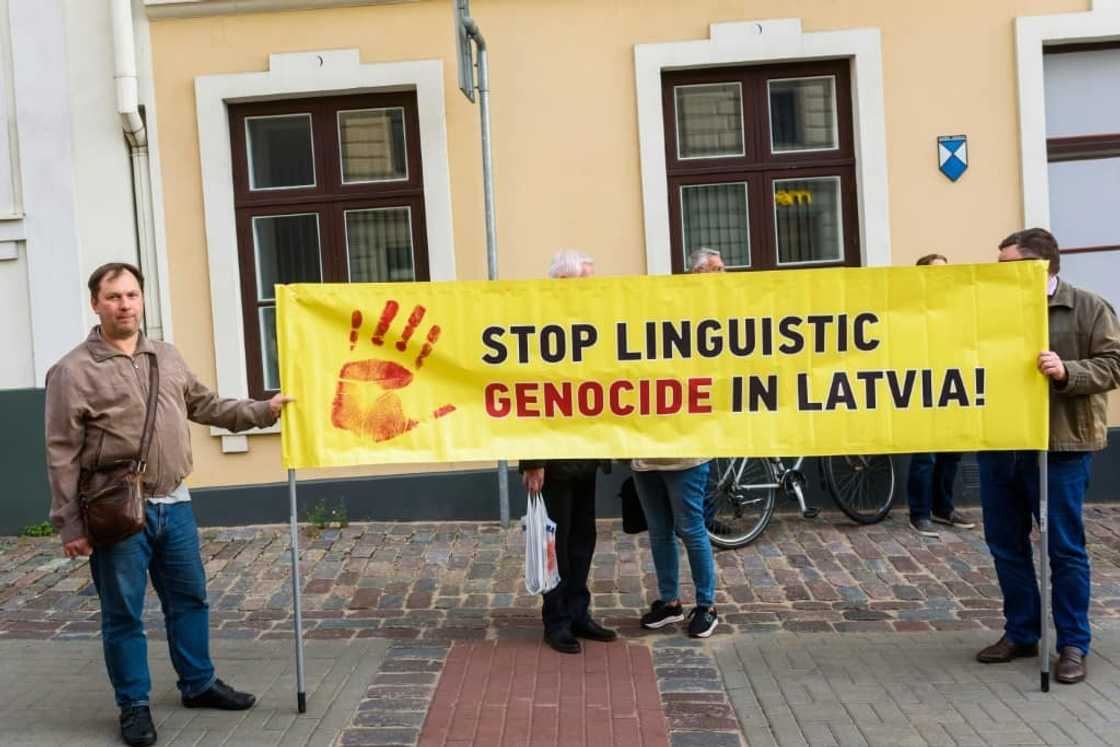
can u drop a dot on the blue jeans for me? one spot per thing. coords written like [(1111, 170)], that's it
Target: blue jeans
[(930, 485), (673, 502), (167, 550), (1009, 493)]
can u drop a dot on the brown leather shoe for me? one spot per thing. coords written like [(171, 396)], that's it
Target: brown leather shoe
[(1071, 666), (1003, 651)]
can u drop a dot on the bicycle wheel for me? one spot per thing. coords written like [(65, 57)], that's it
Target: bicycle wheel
[(738, 500), (862, 485)]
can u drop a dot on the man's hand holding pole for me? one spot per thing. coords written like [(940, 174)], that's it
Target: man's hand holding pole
[(1051, 365), (277, 403)]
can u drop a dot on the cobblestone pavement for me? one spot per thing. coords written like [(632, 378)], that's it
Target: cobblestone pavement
[(439, 582), (433, 587)]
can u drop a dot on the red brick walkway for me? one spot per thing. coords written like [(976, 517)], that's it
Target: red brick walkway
[(516, 692)]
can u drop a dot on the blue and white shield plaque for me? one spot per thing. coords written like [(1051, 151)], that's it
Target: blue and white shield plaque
[(952, 155)]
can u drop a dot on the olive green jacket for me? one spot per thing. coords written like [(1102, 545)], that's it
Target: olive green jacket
[(1085, 334)]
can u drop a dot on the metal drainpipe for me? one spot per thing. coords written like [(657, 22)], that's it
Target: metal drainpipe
[(136, 135), (491, 221)]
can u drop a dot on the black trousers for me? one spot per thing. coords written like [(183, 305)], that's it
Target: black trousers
[(570, 501)]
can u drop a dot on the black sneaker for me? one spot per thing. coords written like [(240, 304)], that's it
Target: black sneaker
[(221, 696), (702, 621), (955, 519), (661, 614), (137, 729), (924, 527)]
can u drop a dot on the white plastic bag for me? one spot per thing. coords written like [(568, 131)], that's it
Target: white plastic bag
[(541, 573)]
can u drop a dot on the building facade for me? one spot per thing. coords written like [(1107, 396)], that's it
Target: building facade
[(288, 141)]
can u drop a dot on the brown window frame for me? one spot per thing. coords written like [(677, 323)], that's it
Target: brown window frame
[(760, 167), (329, 199)]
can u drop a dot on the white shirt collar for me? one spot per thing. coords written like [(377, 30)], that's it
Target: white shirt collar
[(1051, 285)]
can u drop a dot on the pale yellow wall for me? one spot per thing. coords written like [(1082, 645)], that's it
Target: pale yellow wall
[(565, 127)]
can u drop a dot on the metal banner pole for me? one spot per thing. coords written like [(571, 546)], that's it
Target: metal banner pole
[(301, 693), (1044, 558), (468, 31)]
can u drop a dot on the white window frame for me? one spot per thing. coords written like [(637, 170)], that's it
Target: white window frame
[(1032, 33), (304, 74), (753, 42)]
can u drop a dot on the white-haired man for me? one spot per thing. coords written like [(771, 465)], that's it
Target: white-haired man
[(568, 487), (571, 264), (705, 260)]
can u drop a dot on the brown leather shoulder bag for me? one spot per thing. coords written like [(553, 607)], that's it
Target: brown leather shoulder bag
[(112, 495)]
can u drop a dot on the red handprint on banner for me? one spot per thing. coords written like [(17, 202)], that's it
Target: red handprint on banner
[(366, 401)]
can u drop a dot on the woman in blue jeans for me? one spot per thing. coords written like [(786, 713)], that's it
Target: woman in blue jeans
[(671, 492)]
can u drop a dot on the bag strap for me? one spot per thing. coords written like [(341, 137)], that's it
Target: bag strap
[(149, 414)]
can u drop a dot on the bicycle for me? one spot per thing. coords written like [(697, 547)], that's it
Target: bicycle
[(741, 492)]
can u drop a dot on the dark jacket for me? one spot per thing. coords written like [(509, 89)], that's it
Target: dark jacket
[(1085, 334), (96, 401)]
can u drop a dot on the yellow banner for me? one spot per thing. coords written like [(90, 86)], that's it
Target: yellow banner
[(806, 362)]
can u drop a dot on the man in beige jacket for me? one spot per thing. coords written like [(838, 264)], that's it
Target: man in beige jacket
[(96, 402)]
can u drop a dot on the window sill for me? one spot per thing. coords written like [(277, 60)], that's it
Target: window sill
[(238, 443)]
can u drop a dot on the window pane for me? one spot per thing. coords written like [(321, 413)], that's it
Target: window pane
[(803, 114), (709, 120), (715, 217), (371, 143), (1083, 202), (287, 250), (1081, 92), (280, 151), (807, 220), (270, 360), (379, 245)]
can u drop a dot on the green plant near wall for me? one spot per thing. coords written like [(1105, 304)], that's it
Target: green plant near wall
[(42, 529), (323, 515)]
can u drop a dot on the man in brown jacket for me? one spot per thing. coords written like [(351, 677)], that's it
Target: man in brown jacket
[(96, 402), (1083, 365)]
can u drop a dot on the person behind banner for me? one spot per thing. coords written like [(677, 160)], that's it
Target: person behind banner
[(705, 260), (671, 492), (1083, 365), (929, 488), (96, 403), (568, 487)]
